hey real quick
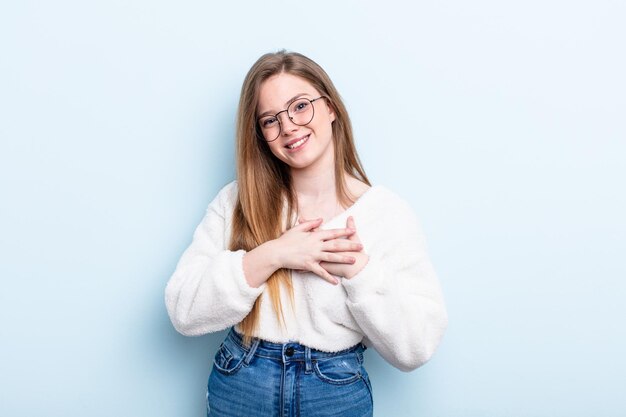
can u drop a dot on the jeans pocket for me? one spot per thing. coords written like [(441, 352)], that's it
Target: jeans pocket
[(229, 358), (338, 370)]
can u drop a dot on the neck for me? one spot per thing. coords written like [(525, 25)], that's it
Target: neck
[(316, 181), (314, 185)]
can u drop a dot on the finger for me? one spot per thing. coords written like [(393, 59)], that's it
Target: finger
[(309, 224), (318, 270), (341, 245), (333, 268), (301, 220), (351, 225), (338, 258), (336, 233)]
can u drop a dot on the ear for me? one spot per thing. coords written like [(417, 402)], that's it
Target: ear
[(331, 112)]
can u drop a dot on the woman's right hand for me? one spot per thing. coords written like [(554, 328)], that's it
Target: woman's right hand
[(303, 248)]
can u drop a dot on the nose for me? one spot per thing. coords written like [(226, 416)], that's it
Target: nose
[(286, 124)]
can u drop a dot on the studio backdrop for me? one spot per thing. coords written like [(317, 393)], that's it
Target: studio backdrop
[(501, 123)]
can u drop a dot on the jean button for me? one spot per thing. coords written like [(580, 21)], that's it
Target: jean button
[(289, 351)]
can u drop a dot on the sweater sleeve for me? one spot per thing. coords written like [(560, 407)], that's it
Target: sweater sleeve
[(396, 299), (208, 291)]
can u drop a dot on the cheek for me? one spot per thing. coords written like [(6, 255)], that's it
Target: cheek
[(326, 122), (276, 150), (326, 128)]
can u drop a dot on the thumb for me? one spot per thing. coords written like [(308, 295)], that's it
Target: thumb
[(350, 224)]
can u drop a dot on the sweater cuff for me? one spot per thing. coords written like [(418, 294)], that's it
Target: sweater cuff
[(243, 287), (370, 280)]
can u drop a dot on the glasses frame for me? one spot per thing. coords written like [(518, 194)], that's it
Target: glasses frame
[(280, 125)]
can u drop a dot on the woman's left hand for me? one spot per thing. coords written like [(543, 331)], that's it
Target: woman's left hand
[(347, 270)]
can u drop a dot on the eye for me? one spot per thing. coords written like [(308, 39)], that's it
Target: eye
[(268, 122), (300, 106)]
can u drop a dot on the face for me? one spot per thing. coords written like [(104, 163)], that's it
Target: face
[(298, 146)]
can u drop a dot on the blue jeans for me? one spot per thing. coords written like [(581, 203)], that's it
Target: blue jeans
[(287, 380)]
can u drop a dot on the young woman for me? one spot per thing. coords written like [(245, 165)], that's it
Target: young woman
[(304, 260)]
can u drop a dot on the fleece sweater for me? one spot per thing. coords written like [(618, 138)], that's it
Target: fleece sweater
[(394, 304)]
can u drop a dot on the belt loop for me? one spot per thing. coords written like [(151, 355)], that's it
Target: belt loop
[(250, 353), (307, 360)]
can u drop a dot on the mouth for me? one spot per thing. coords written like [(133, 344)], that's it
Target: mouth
[(298, 143)]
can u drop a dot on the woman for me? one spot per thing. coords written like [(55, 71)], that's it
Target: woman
[(303, 223)]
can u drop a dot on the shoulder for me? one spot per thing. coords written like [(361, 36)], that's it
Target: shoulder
[(385, 197), (388, 206), (380, 194), (225, 199), (229, 191)]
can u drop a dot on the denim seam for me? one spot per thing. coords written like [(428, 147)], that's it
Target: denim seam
[(251, 352)]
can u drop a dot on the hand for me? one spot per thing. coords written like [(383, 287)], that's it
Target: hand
[(304, 246), (348, 270)]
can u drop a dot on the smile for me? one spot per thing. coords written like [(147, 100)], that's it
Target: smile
[(298, 144)]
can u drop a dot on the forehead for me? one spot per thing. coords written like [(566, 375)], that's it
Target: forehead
[(277, 90)]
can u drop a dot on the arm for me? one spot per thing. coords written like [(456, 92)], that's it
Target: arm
[(396, 298), (209, 291), (260, 263)]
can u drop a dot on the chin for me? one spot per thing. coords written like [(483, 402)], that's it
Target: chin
[(298, 165)]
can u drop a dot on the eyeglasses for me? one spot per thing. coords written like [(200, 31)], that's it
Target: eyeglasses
[(299, 111)]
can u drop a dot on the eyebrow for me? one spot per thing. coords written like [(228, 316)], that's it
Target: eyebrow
[(286, 103)]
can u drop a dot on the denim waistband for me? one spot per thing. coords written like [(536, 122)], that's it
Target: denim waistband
[(292, 351)]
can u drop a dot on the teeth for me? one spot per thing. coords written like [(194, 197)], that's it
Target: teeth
[(298, 143)]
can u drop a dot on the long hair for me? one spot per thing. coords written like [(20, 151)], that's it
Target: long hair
[(264, 182)]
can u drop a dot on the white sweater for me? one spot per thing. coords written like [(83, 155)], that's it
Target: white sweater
[(393, 304)]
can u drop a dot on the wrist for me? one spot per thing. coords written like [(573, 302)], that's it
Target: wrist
[(259, 264), (272, 253)]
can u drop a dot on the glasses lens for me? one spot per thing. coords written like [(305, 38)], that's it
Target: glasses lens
[(301, 111), (270, 128)]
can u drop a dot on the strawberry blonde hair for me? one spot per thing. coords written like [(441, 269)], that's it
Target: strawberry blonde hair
[(264, 181)]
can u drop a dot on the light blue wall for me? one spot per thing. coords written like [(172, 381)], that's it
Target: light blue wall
[(501, 122)]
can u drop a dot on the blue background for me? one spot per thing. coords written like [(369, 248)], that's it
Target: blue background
[(501, 122)]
